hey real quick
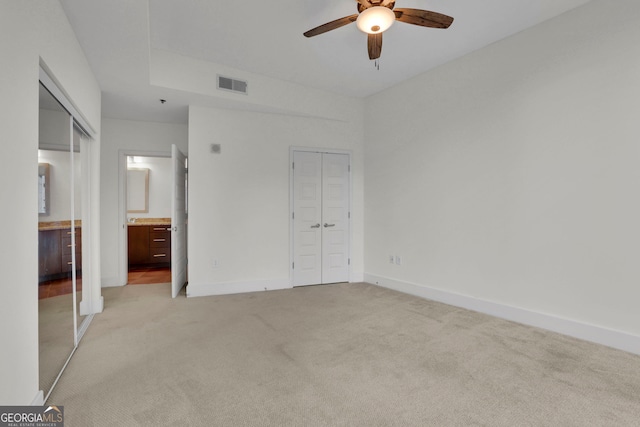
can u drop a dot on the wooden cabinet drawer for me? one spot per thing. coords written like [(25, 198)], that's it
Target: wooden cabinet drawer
[(159, 255), (66, 263), (54, 252), (66, 245), (159, 239), (159, 243), (65, 236)]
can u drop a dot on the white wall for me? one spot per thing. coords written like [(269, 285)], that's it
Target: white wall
[(239, 199), (30, 30), (160, 181), (136, 138), (511, 175)]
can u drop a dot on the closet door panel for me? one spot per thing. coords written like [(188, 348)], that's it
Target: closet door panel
[(335, 218), (307, 208)]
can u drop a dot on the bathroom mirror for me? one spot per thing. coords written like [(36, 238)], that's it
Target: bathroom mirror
[(137, 190)]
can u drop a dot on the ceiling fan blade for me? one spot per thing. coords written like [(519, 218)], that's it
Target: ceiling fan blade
[(374, 45), (331, 25), (424, 18)]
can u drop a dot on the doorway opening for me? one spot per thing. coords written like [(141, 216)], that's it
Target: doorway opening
[(148, 211), (153, 218)]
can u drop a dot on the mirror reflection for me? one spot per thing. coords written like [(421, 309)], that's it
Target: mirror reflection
[(59, 239), (43, 189), (137, 190)]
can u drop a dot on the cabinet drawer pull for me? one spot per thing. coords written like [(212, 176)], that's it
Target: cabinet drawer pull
[(159, 255), (159, 240), (70, 262), (159, 229)]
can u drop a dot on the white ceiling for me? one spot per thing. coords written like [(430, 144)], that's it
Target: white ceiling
[(266, 38)]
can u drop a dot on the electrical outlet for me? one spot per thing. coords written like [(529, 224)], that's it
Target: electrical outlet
[(398, 260), (391, 259)]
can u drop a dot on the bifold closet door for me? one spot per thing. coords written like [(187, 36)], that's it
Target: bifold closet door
[(320, 218)]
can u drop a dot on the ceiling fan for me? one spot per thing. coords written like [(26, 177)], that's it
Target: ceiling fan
[(376, 16)]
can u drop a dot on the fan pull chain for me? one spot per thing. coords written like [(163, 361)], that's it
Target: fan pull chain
[(376, 64)]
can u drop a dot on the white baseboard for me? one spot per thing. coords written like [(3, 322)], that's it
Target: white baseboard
[(99, 305), (208, 289), (39, 399), (87, 308), (110, 282), (597, 334)]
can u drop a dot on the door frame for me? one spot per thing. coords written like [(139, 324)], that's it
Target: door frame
[(123, 255), (293, 149)]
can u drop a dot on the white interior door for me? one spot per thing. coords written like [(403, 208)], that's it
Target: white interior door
[(320, 218), (335, 218), (178, 221), (307, 218)]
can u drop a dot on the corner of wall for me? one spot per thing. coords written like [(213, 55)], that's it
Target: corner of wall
[(593, 333)]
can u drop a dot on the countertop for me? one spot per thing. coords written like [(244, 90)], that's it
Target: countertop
[(150, 221), (57, 225)]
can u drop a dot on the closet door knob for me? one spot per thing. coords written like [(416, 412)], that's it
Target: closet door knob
[(328, 225), (316, 226)]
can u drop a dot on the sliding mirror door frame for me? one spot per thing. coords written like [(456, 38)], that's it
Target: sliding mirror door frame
[(81, 136), (57, 319)]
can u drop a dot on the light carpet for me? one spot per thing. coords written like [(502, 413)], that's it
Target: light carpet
[(334, 355)]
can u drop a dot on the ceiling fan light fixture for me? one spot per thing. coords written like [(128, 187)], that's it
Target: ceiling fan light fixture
[(375, 19)]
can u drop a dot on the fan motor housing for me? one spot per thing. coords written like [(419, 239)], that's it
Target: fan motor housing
[(390, 5)]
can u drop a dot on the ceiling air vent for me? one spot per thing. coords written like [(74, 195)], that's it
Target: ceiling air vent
[(233, 85)]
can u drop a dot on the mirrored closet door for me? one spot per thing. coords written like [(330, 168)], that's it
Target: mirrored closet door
[(59, 237)]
